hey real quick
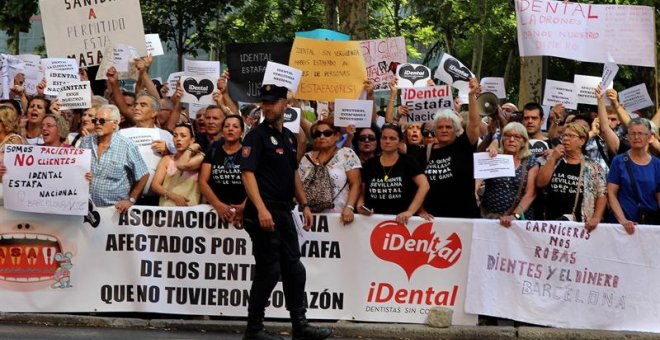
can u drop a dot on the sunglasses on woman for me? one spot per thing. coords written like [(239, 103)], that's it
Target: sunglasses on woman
[(367, 138), (428, 133), (325, 133)]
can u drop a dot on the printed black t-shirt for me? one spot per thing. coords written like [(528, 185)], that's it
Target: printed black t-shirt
[(225, 179), (390, 190), (561, 192)]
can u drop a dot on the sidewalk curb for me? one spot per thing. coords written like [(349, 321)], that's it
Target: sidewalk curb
[(346, 329)]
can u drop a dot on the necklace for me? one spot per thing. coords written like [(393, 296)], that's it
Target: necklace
[(387, 173)]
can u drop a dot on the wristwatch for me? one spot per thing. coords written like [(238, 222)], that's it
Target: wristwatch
[(517, 216), (132, 200)]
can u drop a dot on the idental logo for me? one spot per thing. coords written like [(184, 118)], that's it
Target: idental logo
[(392, 242)]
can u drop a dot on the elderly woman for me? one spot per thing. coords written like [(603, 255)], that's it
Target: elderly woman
[(366, 143), (342, 164), (36, 111), (634, 180), (86, 127), (220, 177), (575, 186), (509, 198), (450, 164), (175, 180), (392, 183), (54, 131)]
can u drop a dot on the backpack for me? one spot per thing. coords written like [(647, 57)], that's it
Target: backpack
[(318, 187)]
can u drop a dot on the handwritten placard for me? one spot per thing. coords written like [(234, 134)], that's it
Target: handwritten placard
[(154, 45), (353, 112), (424, 103), (79, 30), (330, 69), (381, 57), (45, 179)]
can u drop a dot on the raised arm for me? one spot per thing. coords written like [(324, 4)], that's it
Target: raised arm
[(474, 122), (606, 132), (624, 117)]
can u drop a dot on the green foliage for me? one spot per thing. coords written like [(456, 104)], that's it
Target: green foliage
[(15, 18)]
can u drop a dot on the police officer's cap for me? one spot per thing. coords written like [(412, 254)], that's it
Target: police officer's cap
[(272, 93)]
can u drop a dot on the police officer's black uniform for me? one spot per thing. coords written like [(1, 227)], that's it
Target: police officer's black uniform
[(271, 156)]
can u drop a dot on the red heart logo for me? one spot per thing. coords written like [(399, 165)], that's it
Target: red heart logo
[(392, 242)]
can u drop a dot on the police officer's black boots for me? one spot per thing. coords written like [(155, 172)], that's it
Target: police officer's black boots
[(255, 329), (302, 330)]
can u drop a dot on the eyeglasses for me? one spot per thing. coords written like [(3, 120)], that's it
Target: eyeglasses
[(638, 134), (569, 136), (101, 121), (325, 133), (514, 137), (428, 133), (367, 138)]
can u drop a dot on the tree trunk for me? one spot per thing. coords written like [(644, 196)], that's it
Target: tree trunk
[(531, 80), (353, 15), (478, 47), (331, 15), (507, 69)]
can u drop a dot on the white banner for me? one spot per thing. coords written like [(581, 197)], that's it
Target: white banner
[(424, 103), (46, 179), (78, 30), (381, 58), (184, 261), (586, 32), (557, 274)]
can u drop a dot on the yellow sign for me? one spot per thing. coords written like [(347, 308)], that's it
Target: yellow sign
[(330, 69)]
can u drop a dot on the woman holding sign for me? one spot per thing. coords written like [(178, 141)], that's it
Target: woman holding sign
[(175, 180), (36, 111), (510, 198), (575, 186), (54, 131), (220, 178), (392, 183)]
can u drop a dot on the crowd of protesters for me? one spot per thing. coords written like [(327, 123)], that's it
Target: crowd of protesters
[(594, 166)]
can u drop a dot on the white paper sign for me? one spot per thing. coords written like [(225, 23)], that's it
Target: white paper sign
[(282, 75), (635, 98), (491, 167), (560, 92), (587, 32), (412, 75), (59, 71), (123, 56), (198, 90), (355, 112), (610, 70), (172, 80), (424, 102), (154, 45), (195, 110), (32, 72), (76, 95), (453, 72), (585, 88), (494, 85), (144, 137), (83, 31), (292, 119), (202, 68), (45, 179)]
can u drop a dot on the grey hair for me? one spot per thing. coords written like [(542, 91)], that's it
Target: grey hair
[(521, 130), (114, 113), (449, 114), (154, 101), (643, 122), (100, 101)]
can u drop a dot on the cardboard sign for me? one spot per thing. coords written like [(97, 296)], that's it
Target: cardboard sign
[(75, 95), (59, 71), (331, 69), (323, 34), (586, 32), (560, 92), (412, 75), (353, 112), (154, 45), (198, 90), (202, 68), (247, 63), (635, 98), (494, 85), (47, 180), (381, 57), (453, 72), (282, 75), (73, 29), (424, 103)]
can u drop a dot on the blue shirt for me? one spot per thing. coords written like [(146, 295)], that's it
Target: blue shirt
[(116, 172), (647, 179)]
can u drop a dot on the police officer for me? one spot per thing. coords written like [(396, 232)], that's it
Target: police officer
[(269, 172)]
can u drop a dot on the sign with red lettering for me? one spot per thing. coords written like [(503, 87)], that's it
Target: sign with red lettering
[(45, 179), (423, 103), (558, 274), (381, 57), (586, 32), (83, 30)]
